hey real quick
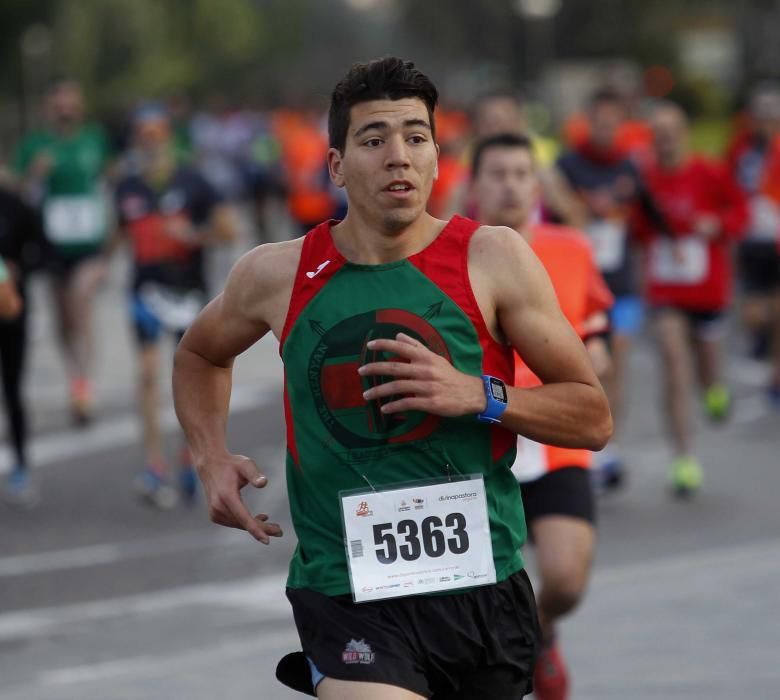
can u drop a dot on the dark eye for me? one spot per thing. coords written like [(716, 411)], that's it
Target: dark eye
[(373, 143), (417, 138)]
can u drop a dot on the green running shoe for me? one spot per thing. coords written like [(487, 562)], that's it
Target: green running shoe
[(686, 476), (717, 403)]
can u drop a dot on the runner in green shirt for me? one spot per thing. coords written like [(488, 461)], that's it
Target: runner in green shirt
[(61, 169), (397, 333)]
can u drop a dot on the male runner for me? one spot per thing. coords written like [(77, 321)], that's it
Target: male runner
[(557, 496), (388, 322), (607, 183), (754, 159), (170, 214), (688, 278), (62, 170)]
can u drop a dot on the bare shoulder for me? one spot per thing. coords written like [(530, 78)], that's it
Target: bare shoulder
[(262, 279), (499, 251), (502, 264)]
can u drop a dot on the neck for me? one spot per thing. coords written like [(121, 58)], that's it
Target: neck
[(369, 243), (65, 129), (672, 161)]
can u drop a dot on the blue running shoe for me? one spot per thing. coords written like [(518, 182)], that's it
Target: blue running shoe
[(154, 490), (188, 484), (20, 490)]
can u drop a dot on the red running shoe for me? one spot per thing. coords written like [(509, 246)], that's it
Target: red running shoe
[(551, 678)]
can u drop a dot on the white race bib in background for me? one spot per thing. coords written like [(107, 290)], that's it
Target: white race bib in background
[(75, 219), (682, 261), (764, 219), (608, 241)]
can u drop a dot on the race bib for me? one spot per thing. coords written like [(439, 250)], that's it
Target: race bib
[(75, 219), (176, 310), (608, 241), (764, 219), (530, 462), (418, 539), (683, 261)]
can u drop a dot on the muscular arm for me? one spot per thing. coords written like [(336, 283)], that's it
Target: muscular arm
[(254, 301), (570, 408)]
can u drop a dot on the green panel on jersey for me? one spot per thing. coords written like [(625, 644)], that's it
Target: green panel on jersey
[(345, 443)]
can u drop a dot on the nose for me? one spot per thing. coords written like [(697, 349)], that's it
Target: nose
[(396, 154)]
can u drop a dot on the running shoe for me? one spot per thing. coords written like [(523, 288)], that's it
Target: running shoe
[(551, 677), (686, 476), (773, 394), (154, 490), (81, 402), (717, 403), (188, 478), (188, 484), (609, 472), (20, 490)]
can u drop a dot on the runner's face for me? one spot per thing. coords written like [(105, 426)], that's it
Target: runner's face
[(389, 162), (506, 188), (669, 133), (498, 115), (605, 120), (66, 104)]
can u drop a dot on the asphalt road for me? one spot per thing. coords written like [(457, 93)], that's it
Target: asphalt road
[(104, 599)]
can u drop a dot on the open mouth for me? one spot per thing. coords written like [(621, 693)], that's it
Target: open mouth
[(400, 190)]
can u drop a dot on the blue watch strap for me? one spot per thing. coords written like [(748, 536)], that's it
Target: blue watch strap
[(494, 408)]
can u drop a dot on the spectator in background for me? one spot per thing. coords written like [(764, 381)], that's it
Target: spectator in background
[(170, 214), (61, 169)]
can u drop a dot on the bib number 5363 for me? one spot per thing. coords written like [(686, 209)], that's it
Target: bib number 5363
[(432, 535)]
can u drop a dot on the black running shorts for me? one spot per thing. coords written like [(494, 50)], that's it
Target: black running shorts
[(759, 267), (565, 491), (481, 643)]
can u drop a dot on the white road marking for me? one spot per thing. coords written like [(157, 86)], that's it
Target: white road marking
[(110, 553), (264, 594), (118, 432), (146, 666)]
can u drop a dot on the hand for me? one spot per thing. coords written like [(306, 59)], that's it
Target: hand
[(426, 380), (182, 230), (222, 479), (42, 165), (707, 226)]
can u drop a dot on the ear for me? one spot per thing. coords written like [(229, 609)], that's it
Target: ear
[(335, 167), (436, 169)]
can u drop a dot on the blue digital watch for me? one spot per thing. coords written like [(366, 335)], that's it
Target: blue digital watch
[(495, 392)]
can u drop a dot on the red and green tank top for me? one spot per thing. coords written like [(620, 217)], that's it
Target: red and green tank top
[(338, 441)]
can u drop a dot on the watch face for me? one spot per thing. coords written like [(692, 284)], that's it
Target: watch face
[(498, 390)]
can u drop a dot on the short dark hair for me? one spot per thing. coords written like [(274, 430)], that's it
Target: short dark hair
[(388, 78), (605, 95), (499, 141)]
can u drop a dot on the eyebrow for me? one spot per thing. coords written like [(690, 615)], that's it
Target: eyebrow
[(382, 125)]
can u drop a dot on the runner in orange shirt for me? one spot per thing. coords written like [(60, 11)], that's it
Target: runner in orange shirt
[(555, 483)]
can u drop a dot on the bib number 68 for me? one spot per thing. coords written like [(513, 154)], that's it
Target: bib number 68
[(432, 535)]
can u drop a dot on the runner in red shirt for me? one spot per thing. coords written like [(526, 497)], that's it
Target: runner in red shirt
[(688, 277), (555, 484)]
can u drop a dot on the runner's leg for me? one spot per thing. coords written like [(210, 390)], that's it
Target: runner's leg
[(149, 370), (672, 334), (564, 553)]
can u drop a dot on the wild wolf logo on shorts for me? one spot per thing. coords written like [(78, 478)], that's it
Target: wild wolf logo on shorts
[(357, 652)]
